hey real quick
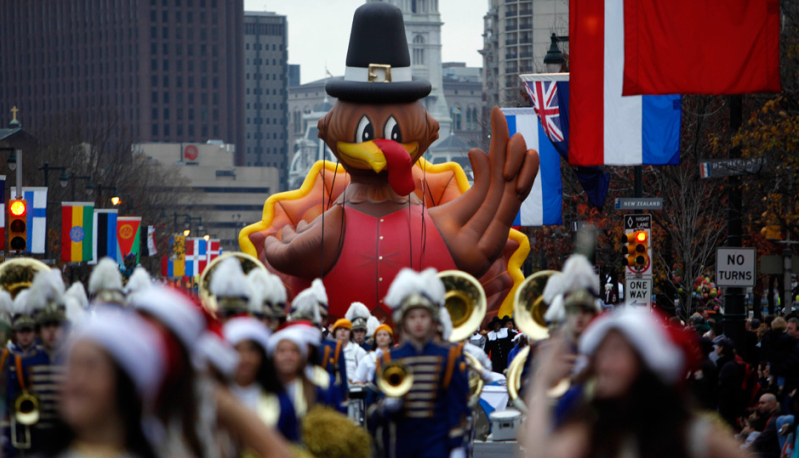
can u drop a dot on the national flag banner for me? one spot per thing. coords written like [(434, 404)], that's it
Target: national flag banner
[(36, 197), (104, 244), (549, 94), (77, 229), (152, 250), (213, 250), (2, 212), (128, 236), (701, 47), (178, 259), (196, 256), (543, 206), (606, 128)]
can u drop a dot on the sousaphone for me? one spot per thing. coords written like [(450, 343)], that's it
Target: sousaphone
[(465, 301), (208, 300), (529, 309)]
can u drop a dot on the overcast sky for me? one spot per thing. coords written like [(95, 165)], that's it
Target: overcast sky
[(319, 31)]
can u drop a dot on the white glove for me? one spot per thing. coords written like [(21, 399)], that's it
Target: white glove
[(457, 453)]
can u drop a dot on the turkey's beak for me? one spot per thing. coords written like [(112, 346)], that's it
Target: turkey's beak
[(367, 155)]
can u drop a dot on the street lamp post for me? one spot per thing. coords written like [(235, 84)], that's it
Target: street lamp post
[(63, 179), (73, 178), (554, 59), (734, 311)]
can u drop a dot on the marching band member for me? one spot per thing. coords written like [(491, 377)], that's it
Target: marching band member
[(272, 295), (638, 406), (289, 350), (498, 344), (383, 338), (255, 381), (23, 345), (353, 353), (78, 293), (139, 281), (45, 370), (192, 409), (113, 369), (428, 421), (105, 284), (358, 315), (234, 295), (311, 305)]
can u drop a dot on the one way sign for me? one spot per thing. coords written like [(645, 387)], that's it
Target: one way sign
[(638, 292)]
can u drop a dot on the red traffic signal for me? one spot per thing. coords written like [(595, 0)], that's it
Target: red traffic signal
[(635, 249), (18, 207), (18, 225)]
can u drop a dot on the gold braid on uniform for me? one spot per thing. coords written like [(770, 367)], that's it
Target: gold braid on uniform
[(330, 434)]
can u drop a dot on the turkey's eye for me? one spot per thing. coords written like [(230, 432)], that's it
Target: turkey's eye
[(392, 131), (365, 131)]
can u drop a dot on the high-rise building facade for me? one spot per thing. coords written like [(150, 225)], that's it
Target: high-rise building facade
[(170, 70), (266, 92), (515, 41)]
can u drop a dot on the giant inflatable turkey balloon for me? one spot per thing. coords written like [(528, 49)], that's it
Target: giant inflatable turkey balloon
[(356, 223)]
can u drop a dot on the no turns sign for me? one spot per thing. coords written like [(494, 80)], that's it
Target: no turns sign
[(736, 267)]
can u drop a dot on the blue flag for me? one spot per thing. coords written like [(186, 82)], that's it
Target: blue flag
[(543, 206)]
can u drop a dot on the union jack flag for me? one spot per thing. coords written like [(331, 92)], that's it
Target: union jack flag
[(544, 95)]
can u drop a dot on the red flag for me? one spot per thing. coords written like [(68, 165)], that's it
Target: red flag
[(701, 47)]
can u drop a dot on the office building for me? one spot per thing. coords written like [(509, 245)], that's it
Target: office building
[(162, 70), (266, 75), (225, 196)]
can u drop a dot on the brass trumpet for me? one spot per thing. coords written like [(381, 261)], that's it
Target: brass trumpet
[(208, 300), (395, 380), (465, 301), (26, 413)]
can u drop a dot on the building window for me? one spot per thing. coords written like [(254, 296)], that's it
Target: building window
[(154, 115), (166, 130), (155, 130), (154, 81), (154, 98), (166, 118), (166, 97), (418, 50)]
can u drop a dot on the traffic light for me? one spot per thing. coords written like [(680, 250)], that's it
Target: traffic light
[(18, 225), (635, 249)]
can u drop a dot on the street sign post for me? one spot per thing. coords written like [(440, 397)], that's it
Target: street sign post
[(635, 223), (638, 292), (720, 168), (736, 267), (639, 203)]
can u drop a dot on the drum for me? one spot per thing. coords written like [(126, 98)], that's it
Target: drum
[(505, 425)]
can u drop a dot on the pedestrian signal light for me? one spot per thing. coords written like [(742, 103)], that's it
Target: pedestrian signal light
[(18, 225), (635, 249)]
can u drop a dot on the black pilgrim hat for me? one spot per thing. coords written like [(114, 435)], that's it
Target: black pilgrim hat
[(378, 63), (494, 320)]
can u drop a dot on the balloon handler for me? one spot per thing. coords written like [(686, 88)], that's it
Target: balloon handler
[(357, 223)]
